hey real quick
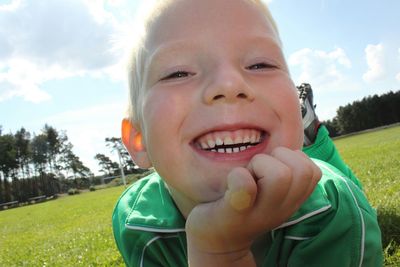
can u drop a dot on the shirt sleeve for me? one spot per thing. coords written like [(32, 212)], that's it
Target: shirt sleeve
[(144, 248), (324, 149), (347, 234)]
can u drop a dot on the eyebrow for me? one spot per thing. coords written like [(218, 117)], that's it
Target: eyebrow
[(266, 40), (168, 51), (182, 45)]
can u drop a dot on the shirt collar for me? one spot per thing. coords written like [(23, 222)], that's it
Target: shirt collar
[(154, 210)]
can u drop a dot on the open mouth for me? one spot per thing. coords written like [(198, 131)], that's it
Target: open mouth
[(230, 141)]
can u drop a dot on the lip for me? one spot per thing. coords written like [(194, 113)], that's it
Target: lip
[(242, 156)]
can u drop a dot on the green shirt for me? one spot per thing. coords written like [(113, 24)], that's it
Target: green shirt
[(324, 149), (335, 227)]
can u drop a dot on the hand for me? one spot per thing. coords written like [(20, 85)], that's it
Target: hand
[(259, 198)]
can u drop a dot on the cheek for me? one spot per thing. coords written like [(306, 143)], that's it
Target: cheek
[(159, 110), (294, 125), (163, 114), (297, 134), (158, 117)]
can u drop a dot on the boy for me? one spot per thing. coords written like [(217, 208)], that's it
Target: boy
[(215, 113)]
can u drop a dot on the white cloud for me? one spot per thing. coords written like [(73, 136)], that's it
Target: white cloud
[(320, 68), (381, 64), (328, 74), (45, 40), (11, 6), (116, 3), (21, 78), (376, 63)]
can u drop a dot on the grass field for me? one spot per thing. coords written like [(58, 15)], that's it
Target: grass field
[(70, 231), (76, 230), (375, 159)]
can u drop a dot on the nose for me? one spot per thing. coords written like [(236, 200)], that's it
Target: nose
[(227, 84)]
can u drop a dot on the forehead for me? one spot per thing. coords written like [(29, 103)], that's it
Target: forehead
[(188, 19)]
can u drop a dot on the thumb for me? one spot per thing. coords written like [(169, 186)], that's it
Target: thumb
[(242, 190)]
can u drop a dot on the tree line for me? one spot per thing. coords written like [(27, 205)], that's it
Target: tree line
[(370, 112), (44, 164)]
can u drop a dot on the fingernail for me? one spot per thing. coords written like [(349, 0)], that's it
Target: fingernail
[(240, 200)]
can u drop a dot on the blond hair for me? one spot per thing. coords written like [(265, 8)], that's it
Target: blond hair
[(136, 66)]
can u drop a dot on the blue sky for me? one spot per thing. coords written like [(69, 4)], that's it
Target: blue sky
[(62, 62)]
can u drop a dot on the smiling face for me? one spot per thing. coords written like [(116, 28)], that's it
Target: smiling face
[(217, 92)]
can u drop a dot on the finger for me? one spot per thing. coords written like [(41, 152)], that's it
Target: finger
[(273, 180), (230, 211), (242, 189), (302, 174), (302, 154)]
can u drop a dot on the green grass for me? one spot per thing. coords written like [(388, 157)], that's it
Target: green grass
[(375, 159), (70, 231), (76, 230)]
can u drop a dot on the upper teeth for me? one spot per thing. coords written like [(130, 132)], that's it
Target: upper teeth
[(229, 142)]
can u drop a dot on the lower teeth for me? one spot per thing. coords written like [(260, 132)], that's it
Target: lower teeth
[(229, 150)]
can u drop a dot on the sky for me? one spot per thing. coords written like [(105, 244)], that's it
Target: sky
[(63, 62)]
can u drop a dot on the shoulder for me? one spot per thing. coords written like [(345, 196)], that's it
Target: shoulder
[(339, 196), (133, 193), (147, 206), (129, 243), (145, 220), (337, 222), (341, 191), (335, 194)]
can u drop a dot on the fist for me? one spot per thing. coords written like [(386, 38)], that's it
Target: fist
[(258, 198)]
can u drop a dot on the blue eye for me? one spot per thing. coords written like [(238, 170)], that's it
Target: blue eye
[(176, 75), (261, 65)]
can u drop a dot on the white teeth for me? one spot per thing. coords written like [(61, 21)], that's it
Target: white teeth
[(257, 137), (225, 142), (228, 141), (218, 142), (203, 145), (211, 143), (253, 137), (238, 139)]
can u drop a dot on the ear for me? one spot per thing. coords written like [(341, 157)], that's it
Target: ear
[(132, 139)]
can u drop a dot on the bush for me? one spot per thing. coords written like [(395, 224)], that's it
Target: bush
[(130, 178), (101, 186), (92, 188), (73, 191), (115, 182)]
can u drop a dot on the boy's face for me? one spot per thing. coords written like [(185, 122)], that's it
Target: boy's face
[(215, 74)]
